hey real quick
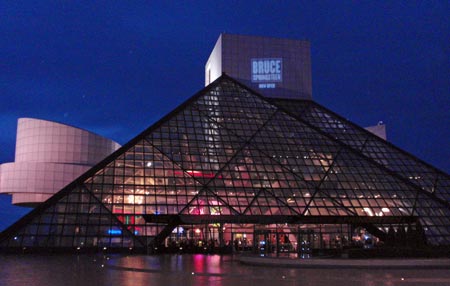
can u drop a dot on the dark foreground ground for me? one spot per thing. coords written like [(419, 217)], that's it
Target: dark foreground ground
[(198, 269)]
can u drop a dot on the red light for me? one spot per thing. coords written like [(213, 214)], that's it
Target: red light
[(199, 174)]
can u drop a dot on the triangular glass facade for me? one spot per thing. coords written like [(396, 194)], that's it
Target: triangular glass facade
[(229, 152)]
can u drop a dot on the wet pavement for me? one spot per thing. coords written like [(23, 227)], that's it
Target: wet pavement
[(196, 269)]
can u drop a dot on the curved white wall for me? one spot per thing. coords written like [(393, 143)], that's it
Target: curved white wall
[(49, 156)]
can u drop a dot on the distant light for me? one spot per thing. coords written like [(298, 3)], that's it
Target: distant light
[(149, 164), (385, 210), (368, 211), (197, 231), (114, 231), (178, 229)]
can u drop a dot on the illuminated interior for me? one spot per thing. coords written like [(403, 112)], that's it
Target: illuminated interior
[(228, 152)]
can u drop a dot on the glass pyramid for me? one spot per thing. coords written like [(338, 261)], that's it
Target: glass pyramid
[(237, 159)]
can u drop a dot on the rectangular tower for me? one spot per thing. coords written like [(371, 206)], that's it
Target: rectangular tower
[(274, 67)]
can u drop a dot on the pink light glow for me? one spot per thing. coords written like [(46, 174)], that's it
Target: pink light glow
[(199, 174)]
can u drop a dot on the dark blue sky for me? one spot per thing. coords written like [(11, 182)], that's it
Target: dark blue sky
[(115, 67)]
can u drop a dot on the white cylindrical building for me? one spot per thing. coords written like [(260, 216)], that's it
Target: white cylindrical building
[(48, 156)]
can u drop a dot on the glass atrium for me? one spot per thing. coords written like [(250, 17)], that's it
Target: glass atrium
[(230, 167)]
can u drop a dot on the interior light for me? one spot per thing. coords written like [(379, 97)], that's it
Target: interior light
[(114, 231), (368, 211)]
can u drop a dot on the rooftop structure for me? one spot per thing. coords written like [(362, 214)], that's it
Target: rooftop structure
[(274, 67)]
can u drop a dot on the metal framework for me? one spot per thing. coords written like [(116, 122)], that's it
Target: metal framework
[(230, 155), (278, 219)]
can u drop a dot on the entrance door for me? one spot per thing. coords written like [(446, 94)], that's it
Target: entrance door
[(263, 242), (304, 243), (242, 241)]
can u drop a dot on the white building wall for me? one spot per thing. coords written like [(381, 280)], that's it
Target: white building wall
[(279, 68), (213, 67), (49, 155), (379, 130)]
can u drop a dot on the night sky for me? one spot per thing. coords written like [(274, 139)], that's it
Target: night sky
[(116, 67)]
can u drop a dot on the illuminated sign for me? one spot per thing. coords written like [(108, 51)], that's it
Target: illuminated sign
[(267, 70), (114, 231)]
